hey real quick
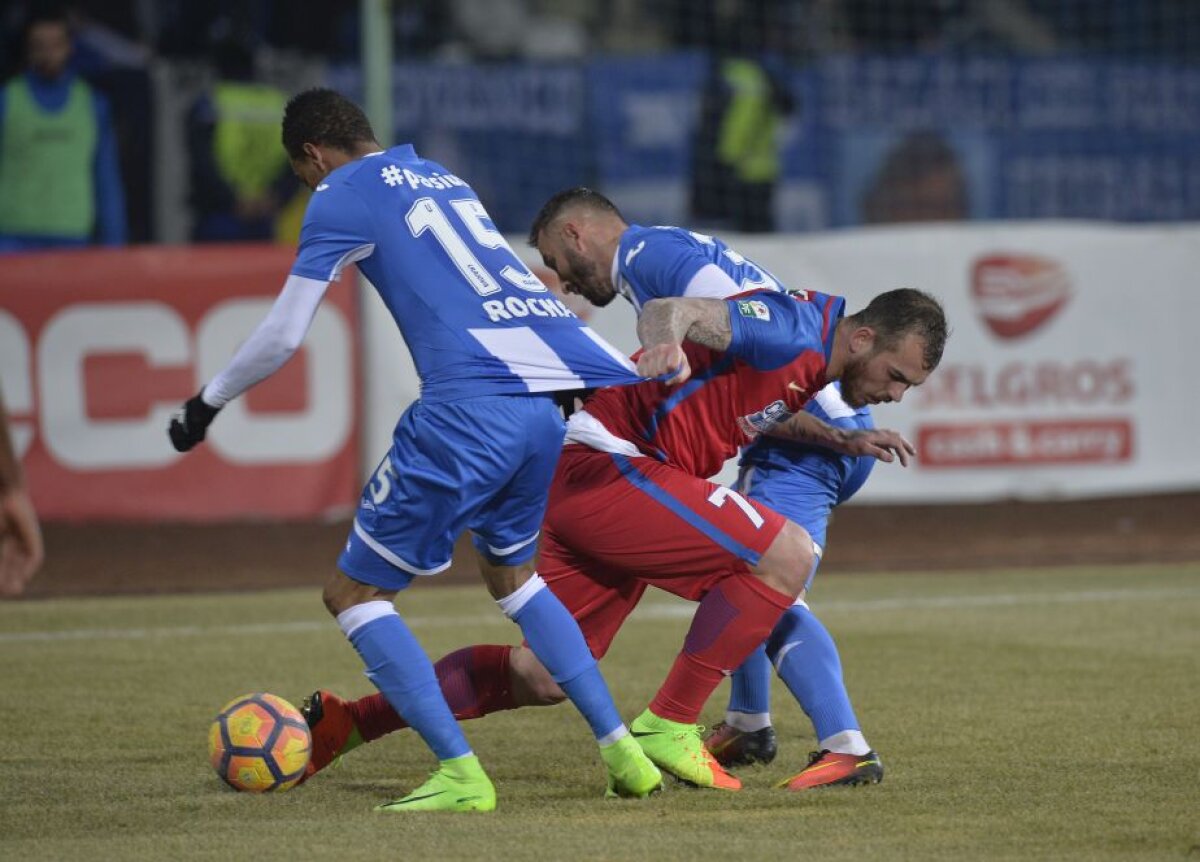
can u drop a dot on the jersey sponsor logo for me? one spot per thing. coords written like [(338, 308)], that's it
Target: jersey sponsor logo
[(753, 308), (1018, 294), (634, 252), (764, 420)]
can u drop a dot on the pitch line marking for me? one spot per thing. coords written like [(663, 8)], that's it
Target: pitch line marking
[(647, 612)]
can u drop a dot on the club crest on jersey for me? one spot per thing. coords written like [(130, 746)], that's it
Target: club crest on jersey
[(764, 420), (753, 308)]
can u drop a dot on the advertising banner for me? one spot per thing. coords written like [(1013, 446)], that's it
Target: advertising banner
[(99, 347), (1069, 371)]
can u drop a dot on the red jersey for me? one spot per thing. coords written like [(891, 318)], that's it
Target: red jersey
[(775, 363)]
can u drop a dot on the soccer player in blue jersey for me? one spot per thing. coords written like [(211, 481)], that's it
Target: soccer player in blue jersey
[(476, 451), (576, 232), (804, 483)]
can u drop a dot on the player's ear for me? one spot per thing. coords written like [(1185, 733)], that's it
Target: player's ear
[(862, 340), (313, 154), (571, 234)]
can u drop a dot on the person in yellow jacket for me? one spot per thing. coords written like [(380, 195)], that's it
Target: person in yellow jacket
[(60, 184), (240, 179), (735, 157)]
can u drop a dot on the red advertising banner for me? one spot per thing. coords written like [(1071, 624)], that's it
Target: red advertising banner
[(99, 347), (1009, 444)]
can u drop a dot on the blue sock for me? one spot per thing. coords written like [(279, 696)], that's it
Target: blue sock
[(403, 673), (556, 640), (806, 659), (750, 687)]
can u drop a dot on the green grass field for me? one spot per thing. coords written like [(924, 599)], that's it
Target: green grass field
[(1020, 714)]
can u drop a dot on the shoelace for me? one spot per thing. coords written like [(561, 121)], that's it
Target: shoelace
[(814, 756)]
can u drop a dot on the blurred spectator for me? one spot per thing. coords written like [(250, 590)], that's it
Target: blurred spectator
[(920, 180), (735, 155), (60, 184), (240, 177)]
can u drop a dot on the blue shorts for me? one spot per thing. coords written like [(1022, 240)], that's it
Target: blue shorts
[(483, 464), (793, 495)]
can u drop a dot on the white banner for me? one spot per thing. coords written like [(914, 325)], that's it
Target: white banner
[(1068, 372)]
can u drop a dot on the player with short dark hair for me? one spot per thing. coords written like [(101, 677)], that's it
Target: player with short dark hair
[(476, 451), (630, 505)]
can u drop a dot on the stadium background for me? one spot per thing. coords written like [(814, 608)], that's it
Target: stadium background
[(1039, 164), (902, 132)]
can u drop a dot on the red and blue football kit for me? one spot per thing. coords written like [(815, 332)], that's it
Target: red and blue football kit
[(631, 503)]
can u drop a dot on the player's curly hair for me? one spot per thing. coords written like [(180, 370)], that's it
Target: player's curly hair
[(326, 117), (579, 196), (906, 311)]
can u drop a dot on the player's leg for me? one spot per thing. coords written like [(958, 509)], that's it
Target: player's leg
[(659, 524), (521, 448), (746, 736), (402, 672), (478, 680), (505, 537), (412, 510), (728, 626), (806, 659)]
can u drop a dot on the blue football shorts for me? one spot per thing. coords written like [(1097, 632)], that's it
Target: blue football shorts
[(483, 464)]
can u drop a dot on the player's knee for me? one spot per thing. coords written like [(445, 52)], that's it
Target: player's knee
[(532, 684), (342, 593), (788, 562)]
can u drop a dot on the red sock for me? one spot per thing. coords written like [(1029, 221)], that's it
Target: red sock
[(474, 681), (732, 620)]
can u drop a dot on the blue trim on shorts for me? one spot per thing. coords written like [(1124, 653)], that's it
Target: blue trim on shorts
[(645, 484)]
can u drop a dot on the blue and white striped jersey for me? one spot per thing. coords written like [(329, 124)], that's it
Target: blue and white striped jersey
[(476, 320)]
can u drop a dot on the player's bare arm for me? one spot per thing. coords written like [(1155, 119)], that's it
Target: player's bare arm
[(664, 325), (881, 443)]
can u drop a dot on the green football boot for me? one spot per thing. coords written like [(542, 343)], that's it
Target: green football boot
[(677, 748), (458, 784), (631, 774)]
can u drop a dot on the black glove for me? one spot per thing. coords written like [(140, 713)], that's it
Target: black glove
[(189, 425), (565, 399)]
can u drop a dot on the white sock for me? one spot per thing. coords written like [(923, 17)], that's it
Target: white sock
[(846, 742), (613, 736), (748, 722)]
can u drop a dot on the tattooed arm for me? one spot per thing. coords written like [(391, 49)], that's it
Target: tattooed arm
[(665, 324)]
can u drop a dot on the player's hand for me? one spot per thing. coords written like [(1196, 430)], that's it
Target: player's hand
[(880, 443), (666, 362), (21, 550), (190, 424)]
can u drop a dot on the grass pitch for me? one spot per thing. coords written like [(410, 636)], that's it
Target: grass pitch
[(1020, 715)]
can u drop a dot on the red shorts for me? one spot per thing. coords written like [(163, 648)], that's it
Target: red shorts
[(615, 524)]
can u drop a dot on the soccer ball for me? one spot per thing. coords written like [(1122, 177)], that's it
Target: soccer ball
[(258, 743)]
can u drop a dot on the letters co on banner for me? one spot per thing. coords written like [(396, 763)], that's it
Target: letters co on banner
[(99, 347)]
